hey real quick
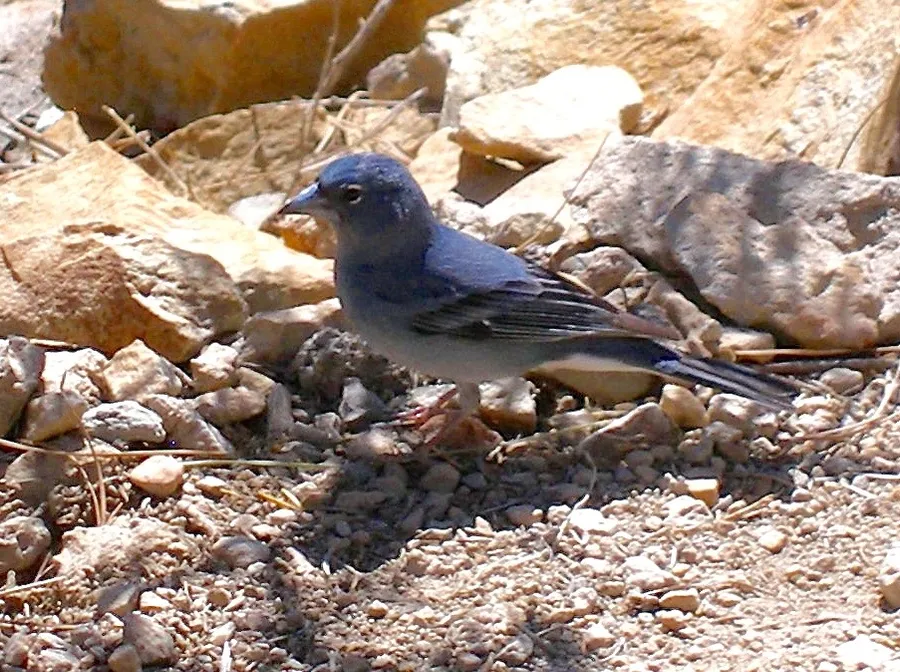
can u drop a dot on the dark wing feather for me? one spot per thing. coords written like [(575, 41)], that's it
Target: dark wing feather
[(545, 306)]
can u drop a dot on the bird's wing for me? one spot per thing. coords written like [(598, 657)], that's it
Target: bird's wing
[(539, 306)]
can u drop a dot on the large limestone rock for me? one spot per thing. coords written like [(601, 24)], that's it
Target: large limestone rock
[(669, 46), (97, 284), (172, 61), (220, 159), (789, 247), (800, 80), (572, 108), (99, 253)]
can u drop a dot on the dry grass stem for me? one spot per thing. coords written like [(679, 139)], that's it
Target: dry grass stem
[(119, 131), (154, 155), (336, 66), (841, 433), (859, 129), (47, 146)]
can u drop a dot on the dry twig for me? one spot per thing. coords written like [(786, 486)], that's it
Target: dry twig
[(45, 145), (154, 155)]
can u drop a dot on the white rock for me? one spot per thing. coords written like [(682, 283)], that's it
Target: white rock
[(889, 576), (73, 371), (686, 511), (160, 475), (862, 651), (186, 428), (230, 405), (136, 371), (590, 520), (53, 414), (687, 600), (644, 574), (572, 107), (509, 403), (214, 368), (704, 489), (124, 421), (276, 335), (734, 410), (773, 540), (597, 636)]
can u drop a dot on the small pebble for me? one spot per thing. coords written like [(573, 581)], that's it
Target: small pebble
[(240, 551), (590, 520), (376, 609), (683, 407), (734, 411), (510, 404), (119, 598), (212, 485), (151, 602), (214, 368), (672, 619), (773, 540), (597, 636), (704, 489), (517, 651), (523, 514), (889, 577), (687, 600), (152, 641), (843, 380), (222, 634), (441, 477), (159, 475), (124, 658)]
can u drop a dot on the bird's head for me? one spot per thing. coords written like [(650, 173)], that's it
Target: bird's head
[(367, 198)]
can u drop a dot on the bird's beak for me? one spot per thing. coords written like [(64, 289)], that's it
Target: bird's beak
[(308, 202)]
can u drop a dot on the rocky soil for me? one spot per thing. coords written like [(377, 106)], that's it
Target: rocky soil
[(201, 467)]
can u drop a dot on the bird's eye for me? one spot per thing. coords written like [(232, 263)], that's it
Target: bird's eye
[(352, 193)]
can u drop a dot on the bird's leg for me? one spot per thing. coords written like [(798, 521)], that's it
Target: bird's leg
[(465, 417), (416, 417)]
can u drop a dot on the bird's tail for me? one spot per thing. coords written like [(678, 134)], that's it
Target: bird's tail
[(631, 353), (774, 393)]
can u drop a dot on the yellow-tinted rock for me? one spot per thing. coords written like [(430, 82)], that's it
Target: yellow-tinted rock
[(800, 80), (227, 157), (172, 61), (98, 253), (67, 132), (563, 113), (95, 185), (668, 46), (437, 164)]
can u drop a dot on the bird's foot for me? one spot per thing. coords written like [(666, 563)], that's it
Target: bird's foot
[(451, 427), (456, 430), (418, 417)]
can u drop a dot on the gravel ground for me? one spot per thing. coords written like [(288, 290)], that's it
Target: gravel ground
[(756, 553)]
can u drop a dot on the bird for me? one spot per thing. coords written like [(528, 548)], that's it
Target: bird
[(444, 303)]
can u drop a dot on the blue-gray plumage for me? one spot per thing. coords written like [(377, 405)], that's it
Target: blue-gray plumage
[(444, 303)]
